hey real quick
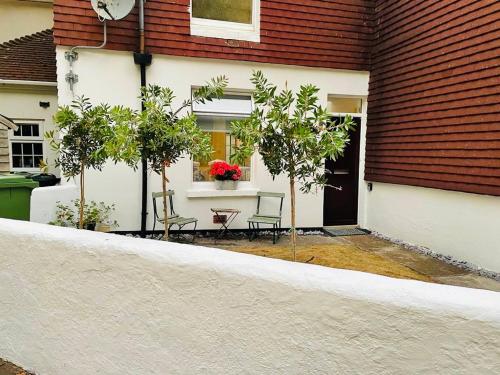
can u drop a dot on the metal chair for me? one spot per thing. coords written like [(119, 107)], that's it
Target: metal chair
[(173, 218), (258, 218)]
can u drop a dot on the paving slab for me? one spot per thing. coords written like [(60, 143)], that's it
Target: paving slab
[(470, 281)]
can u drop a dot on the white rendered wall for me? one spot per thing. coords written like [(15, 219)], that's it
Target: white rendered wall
[(464, 226), (78, 302), (112, 77), (44, 199)]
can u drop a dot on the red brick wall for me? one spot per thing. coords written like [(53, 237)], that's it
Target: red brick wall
[(434, 103), (330, 34)]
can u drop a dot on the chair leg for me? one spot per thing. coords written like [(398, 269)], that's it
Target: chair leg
[(194, 231), (249, 232), (274, 233), (154, 225)]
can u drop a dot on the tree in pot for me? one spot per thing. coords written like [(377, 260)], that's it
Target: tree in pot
[(293, 134), (165, 134), (86, 136)]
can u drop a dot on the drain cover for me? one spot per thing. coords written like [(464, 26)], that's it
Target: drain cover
[(345, 231)]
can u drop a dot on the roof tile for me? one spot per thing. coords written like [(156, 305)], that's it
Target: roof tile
[(29, 58)]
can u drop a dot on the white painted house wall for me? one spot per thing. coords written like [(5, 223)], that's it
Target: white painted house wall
[(464, 226), (112, 77), (77, 302)]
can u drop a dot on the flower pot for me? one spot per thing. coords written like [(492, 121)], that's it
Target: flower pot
[(90, 226), (226, 184), (102, 227)]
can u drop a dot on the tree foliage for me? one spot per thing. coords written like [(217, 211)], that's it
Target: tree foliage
[(165, 134), (86, 136), (293, 134)]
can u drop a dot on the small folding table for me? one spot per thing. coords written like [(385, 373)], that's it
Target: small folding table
[(225, 216)]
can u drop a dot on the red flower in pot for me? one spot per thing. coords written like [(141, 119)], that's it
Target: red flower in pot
[(223, 171)]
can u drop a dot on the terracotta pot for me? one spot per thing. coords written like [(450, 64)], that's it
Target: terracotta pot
[(226, 185)]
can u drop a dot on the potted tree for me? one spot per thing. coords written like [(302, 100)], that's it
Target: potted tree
[(165, 134), (293, 135), (86, 136)]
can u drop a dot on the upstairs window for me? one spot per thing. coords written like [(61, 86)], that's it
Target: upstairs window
[(227, 19)]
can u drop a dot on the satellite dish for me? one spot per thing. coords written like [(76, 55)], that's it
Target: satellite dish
[(112, 9)]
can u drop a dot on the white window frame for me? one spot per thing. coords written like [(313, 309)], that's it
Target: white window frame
[(228, 30), (209, 185), (25, 139)]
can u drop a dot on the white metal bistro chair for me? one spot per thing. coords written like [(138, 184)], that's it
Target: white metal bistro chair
[(173, 217), (260, 218)]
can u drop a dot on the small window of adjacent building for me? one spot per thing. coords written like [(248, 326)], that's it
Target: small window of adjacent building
[(26, 147), (227, 19), (345, 105), (215, 117)]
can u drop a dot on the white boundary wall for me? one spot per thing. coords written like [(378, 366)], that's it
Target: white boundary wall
[(78, 302), (464, 226), (112, 77)]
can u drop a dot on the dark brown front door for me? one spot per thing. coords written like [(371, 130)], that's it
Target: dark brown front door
[(341, 206)]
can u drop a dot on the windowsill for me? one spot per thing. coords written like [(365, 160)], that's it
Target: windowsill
[(224, 30), (211, 192)]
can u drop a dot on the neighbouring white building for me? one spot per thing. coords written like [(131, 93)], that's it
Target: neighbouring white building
[(28, 87)]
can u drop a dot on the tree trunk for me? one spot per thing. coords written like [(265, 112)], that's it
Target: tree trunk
[(82, 195), (165, 205), (292, 209)]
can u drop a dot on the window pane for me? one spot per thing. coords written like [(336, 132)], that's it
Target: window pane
[(236, 105), (344, 105), (17, 132), (38, 148), (26, 130), (216, 123), (27, 148), (16, 148), (16, 162), (38, 159), (224, 10), (223, 144), (28, 162), (36, 130)]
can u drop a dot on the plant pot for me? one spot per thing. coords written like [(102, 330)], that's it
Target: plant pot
[(90, 226), (102, 227), (45, 179), (226, 184)]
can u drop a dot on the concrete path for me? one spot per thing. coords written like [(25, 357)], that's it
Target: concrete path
[(440, 272)]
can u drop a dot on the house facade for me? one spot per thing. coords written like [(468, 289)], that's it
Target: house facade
[(28, 85), (421, 80)]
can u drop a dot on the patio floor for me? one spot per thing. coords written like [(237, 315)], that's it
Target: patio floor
[(365, 253)]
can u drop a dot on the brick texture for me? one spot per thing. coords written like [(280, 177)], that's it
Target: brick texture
[(434, 102), (316, 33)]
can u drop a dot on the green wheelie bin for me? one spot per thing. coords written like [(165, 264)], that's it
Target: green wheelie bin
[(15, 196)]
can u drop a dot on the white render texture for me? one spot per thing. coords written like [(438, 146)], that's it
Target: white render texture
[(78, 302), (464, 226), (44, 201), (106, 76)]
